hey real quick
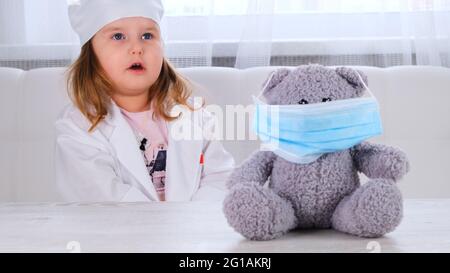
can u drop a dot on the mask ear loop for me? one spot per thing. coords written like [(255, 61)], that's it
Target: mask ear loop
[(265, 107), (365, 85), (257, 99)]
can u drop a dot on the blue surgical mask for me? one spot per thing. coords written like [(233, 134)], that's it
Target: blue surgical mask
[(302, 133)]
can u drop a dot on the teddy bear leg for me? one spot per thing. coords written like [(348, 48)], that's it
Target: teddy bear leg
[(372, 210), (257, 212)]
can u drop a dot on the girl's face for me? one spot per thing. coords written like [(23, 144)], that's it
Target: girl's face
[(125, 42)]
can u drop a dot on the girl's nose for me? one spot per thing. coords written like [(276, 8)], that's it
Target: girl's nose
[(136, 50)]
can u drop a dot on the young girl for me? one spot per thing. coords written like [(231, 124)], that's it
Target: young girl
[(116, 142)]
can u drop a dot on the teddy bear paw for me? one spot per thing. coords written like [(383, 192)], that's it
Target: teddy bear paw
[(373, 210), (399, 166), (257, 212)]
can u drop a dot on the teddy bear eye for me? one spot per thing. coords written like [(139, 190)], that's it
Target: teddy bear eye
[(303, 102), (326, 99)]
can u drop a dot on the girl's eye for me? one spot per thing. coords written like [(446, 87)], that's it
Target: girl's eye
[(147, 36), (118, 36)]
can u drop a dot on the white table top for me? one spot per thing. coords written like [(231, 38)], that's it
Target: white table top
[(196, 227)]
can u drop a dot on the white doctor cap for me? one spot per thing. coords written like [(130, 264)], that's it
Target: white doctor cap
[(89, 16)]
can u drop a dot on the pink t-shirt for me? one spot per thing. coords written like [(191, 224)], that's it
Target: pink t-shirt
[(151, 134)]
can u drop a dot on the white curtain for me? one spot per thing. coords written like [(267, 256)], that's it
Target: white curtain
[(247, 33)]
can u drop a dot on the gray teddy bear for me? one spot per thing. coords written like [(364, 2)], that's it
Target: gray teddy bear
[(270, 196)]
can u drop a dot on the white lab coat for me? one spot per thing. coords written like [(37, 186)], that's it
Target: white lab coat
[(107, 165)]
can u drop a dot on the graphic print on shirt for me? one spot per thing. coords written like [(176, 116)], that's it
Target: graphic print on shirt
[(155, 157)]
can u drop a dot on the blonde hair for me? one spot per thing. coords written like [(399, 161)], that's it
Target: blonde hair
[(90, 89)]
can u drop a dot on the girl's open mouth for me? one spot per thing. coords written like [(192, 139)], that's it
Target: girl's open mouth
[(136, 68)]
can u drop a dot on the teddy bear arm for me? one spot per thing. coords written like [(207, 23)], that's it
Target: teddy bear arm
[(256, 169), (380, 161)]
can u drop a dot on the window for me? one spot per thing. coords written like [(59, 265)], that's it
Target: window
[(240, 7)]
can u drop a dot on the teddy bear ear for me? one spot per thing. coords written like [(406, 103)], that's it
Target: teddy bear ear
[(275, 78), (352, 77)]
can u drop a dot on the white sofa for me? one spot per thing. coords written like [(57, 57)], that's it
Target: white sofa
[(414, 103)]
